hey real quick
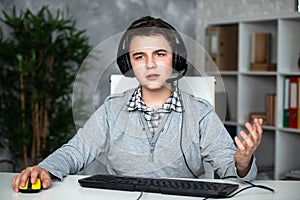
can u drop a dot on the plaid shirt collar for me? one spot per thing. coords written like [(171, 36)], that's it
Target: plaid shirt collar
[(136, 103)]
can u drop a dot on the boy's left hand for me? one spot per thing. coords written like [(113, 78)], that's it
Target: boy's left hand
[(247, 146)]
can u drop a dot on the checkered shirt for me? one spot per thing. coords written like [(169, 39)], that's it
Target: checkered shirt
[(154, 117)]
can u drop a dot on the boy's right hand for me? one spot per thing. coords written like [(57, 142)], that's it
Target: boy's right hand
[(32, 172)]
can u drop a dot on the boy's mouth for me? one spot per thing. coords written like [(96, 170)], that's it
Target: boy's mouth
[(152, 76)]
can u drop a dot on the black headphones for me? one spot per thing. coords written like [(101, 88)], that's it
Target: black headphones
[(179, 50)]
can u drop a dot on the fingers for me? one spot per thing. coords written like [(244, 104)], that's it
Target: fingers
[(45, 178), (256, 130), (249, 139), (33, 173), (239, 144), (245, 147), (20, 180), (248, 144), (252, 140)]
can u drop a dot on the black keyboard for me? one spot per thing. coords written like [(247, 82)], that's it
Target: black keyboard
[(161, 185)]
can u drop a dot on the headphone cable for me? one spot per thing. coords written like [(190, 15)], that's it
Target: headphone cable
[(181, 132)]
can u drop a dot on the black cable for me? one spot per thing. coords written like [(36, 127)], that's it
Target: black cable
[(140, 196), (181, 130), (260, 186), (252, 185)]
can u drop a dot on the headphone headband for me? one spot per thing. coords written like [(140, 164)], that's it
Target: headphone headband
[(145, 25)]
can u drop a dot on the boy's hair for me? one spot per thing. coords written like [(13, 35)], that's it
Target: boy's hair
[(147, 26)]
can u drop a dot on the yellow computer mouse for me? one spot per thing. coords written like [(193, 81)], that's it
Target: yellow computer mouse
[(31, 188)]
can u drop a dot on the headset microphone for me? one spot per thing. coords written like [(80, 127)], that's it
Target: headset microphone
[(179, 76)]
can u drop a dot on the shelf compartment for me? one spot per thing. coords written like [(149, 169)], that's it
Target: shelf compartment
[(247, 29), (252, 94), (287, 148), (288, 45), (265, 153)]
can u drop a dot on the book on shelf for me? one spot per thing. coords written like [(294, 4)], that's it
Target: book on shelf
[(261, 47), (291, 102), (298, 109), (270, 109), (286, 95), (261, 115), (261, 52), (263, 67), (222, 46)]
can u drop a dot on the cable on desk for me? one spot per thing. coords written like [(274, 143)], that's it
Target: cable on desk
[(252, 185), (140, 196)]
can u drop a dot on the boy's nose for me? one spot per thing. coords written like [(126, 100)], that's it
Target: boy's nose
[(150, 63)]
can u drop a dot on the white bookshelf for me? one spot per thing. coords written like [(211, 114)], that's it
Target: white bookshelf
[(246, 90)]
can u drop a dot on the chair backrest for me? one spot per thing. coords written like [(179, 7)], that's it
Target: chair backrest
[(200, 86)]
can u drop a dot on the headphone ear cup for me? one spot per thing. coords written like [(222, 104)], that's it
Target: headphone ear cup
[(123, 59), (128, 72), (124, 64), (179, 59)]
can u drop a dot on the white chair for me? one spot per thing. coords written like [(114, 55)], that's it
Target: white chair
[(203, 87)]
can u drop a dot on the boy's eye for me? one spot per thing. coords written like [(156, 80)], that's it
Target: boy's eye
[(138, 57), (161, 54)]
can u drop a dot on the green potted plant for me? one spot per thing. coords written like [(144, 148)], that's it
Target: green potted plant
[(39, 60)]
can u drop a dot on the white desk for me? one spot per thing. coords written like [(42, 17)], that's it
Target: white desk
[(70, 189)]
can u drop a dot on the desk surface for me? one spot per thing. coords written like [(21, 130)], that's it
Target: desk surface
[(70, 189)]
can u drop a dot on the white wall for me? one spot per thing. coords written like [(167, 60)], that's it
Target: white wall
[(232, 9)]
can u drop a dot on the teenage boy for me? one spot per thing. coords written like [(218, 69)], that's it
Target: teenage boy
[(155, 130)]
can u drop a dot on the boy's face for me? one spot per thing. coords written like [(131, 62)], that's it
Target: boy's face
[(151, 60)]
